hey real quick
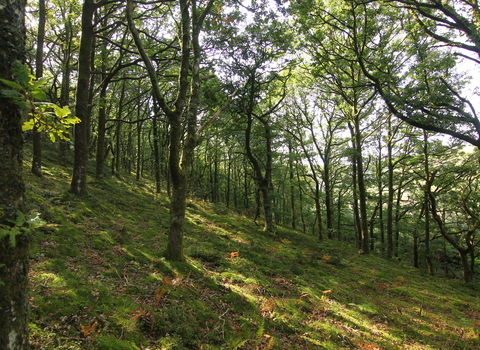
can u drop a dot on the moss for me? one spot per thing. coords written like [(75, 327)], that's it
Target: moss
[(112, 343)]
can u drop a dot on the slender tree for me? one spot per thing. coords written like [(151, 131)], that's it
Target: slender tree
[(182, 113), (80, 166), (36, 135)]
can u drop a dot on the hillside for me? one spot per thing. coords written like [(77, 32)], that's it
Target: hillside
[(99, 281)]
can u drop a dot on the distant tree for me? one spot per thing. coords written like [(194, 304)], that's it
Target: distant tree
[(452, 191), (36, 135), (261, 75), (13, 258), (330, 42)]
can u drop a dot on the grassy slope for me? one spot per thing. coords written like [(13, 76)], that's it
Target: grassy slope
[(99, 281)]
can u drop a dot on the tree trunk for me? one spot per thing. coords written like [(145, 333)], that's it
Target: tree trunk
[(356, 211), (139, 149), (428, 257), (102, 114), (179, 194), (118, 132), (229, 174), (13, 259), (362, 193), (380, 196), (467, 268), (292, 187), (184, 112), (267, 207), (80, 164), (262, 180), (65, 87), (36, 135), (391, 192), (359, 190), (328, 195), (156, 151), (463, 252), (318, 211)]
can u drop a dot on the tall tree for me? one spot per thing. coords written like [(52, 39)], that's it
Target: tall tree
[(331, 37), (13, 258), (80, 165), (263, 74), (36, 135), (182, 113)]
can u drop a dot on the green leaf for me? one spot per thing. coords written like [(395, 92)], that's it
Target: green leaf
[(28, 125), (71, 120), (4, 231), (39, 94), (53, 136), (20, 219), (13, 94), (12, 84), (62, 112), (36, 85), (13, 236)]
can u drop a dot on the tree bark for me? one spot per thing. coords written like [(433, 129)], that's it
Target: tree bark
[(80, 164), (156, 150), (13, 259), (102, 114), (65, 85), (36, 135), (391, 190), (428, 257)]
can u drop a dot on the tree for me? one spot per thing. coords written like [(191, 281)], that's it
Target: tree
[(182, 114), (78, 185), (331, 38), (36, 135), (416, 77), (13, 258), (321, 145), (452, 191), (261, 75), (80, 165)]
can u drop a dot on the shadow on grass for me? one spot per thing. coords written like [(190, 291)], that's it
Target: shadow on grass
[(99, 281)]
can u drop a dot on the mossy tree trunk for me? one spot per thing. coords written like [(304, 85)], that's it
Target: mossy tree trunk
[(79, 179), (181, 114), (37, 136), (13, 259)]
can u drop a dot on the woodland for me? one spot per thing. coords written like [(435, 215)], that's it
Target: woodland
[(229, 174)]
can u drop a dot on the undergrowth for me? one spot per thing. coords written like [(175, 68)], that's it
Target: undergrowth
[(99, 281)]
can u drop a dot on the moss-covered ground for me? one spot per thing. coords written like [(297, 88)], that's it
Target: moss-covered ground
[(99, 281)]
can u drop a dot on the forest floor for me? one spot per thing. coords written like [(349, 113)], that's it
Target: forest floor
[(99, 281)]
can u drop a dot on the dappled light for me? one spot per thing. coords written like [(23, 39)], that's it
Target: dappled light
[(101, 275)]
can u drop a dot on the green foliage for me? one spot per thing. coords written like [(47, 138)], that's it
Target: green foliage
[(112, 343), (23, 224), (27, 92)]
